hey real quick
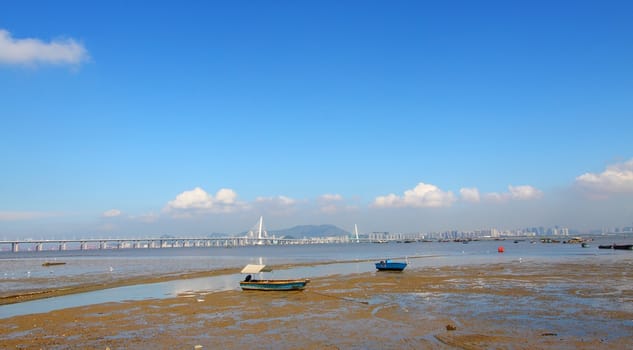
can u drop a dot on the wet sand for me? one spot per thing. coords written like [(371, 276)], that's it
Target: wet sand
[(518, 305), (82, 284), (76, 285)]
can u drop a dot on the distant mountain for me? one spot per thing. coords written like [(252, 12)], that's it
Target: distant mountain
[(309, 231)]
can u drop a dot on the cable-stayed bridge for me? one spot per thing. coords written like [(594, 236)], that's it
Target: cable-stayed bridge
[(256, 236)]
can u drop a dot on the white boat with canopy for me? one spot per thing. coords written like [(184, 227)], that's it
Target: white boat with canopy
[(269, 284)]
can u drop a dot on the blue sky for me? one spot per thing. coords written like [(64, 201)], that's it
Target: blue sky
[(128, 118)]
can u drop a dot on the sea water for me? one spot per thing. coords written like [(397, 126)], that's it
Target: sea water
[(24, 270)]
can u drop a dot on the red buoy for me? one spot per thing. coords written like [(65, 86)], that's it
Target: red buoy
[(500, 249)]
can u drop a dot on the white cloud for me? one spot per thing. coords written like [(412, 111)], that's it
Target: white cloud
[(226, 196), (617, 178), (32, 51), (423, 195), (194, 199), (198, 200), (470, 194), (111, 213), (495, 197), (524, 192), (521, 193)]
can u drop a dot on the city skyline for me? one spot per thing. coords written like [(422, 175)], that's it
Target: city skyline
[(133, 119)]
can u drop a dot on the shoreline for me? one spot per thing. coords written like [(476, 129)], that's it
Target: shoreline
[(36, 294), (29, 295), (520, 305)]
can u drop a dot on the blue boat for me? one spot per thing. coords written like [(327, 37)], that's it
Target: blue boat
[(268, 284), (388, 265)]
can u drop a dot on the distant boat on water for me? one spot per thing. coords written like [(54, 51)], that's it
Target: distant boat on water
[(617, 246)]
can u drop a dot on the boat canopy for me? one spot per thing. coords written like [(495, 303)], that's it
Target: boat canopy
[(253, 268)]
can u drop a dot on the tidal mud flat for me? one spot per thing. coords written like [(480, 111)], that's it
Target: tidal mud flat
[(514, 305)]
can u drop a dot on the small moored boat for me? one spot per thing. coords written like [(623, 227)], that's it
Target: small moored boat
[(388, 265), (617, 246), (269, 284), (53, 263)]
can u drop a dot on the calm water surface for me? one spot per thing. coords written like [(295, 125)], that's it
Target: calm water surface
[(24, 269)]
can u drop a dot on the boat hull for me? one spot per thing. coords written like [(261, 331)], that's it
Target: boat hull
[(274, 285), (617, 246), (390, 266)]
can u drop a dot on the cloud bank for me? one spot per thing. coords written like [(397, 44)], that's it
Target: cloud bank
[(430, 196), (470, 195), (34, 51), (421, 196), (198, 200), (616, 178), (413, 209), (520, 193)]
